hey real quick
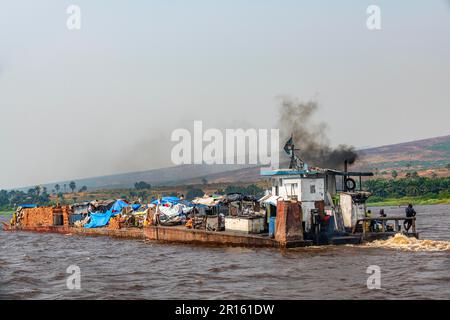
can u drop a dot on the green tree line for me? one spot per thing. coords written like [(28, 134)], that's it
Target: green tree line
[(13, 198), (38, 195), (252, 190), (412, 186)]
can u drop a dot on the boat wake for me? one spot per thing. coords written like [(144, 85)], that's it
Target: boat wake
[(402, 242)]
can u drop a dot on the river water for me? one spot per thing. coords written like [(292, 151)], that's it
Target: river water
[(33, 266)]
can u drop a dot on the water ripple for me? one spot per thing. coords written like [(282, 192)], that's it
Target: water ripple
[(33, 266)]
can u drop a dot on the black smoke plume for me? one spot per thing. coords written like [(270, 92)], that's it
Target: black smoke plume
[(296, 118)]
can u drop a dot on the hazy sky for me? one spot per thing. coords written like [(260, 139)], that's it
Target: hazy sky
[(104, 99)]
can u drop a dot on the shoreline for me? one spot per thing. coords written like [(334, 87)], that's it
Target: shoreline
[(6, 214), (405, 201)]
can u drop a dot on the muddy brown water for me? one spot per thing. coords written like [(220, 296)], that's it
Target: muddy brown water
[(33, 266)]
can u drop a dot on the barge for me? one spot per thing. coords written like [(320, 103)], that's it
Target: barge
[(57, 219), (179, 234), (287, 231), (305, 206)]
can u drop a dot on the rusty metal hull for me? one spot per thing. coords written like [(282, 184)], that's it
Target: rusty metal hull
[(171, 234)]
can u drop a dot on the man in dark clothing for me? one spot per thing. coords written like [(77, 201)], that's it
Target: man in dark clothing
[(410, 212), (382, 222), (372, 222)]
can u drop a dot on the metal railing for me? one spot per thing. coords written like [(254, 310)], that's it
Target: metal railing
[(383, 223)]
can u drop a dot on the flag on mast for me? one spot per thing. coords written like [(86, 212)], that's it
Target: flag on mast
[(288, 146)]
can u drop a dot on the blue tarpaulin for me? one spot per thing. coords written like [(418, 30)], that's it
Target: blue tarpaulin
[(187, 203), (29, 205), (99, 219), (164, 200), (118, 206)]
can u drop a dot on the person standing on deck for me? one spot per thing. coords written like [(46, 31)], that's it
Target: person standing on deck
[(383, 215), (13, 219), (156, 220), (410, 212), (369, 225)]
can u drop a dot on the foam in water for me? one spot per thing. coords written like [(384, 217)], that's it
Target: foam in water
[(400, 241)]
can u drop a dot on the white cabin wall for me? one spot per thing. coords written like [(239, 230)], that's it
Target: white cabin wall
[(346, 204), (301, 187), (289, 187), (305, 189), (331, 185), (307, 206)]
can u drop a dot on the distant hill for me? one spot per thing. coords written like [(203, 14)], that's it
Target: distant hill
[(162, 176), (421, 155), (426, 156)]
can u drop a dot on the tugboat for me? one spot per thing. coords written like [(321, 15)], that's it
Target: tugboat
[(333, 204)]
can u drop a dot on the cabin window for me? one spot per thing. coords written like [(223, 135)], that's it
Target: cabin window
[(293, 188), (276, 190), (312, 188)]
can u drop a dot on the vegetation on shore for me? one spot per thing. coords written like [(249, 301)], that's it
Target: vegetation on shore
[(406, 200), (6, 214), (414, 189), (142, 191), (38, 195)]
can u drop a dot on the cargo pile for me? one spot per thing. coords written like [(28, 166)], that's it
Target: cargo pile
[(210, 212)]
